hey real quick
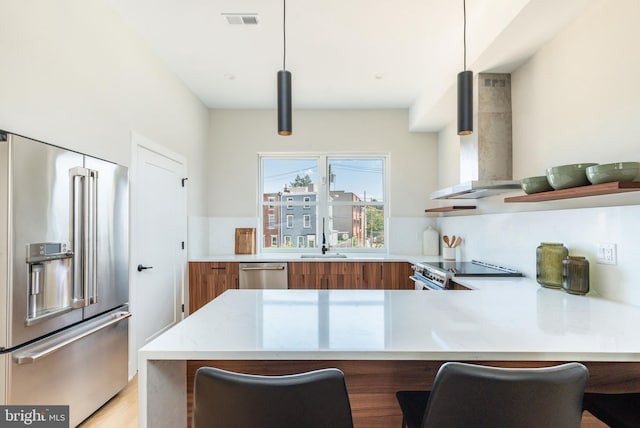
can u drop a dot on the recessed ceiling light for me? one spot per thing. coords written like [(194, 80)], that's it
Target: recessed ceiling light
[(229, 76), (378, 76)]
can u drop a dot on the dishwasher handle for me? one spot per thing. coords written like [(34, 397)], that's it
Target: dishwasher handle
[(280, 267)]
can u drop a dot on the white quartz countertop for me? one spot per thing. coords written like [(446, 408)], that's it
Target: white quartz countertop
[(502, 319)]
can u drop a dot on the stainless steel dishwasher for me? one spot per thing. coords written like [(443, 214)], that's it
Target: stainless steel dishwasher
[(263, 275)]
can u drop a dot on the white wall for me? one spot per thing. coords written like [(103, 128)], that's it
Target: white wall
[(237, 136), (74, 75), (449, 156), (576, 100)]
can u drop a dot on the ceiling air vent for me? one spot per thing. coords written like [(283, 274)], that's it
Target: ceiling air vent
[(241, 18)]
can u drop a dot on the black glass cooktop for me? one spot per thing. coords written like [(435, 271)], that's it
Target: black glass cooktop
[(473, 268)]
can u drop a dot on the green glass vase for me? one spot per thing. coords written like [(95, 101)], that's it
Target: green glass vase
[(549, 256), (575, 275)]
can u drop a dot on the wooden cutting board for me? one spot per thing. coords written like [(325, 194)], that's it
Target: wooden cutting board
[(245, 240)]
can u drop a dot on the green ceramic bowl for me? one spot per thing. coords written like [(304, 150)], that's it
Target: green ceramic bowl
[(566, 176), (619, 171), (535, 184)]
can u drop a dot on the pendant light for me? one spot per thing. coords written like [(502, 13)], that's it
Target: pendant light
[(284, 83), (465, 88)]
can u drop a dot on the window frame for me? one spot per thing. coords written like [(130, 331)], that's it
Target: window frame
[(322, 203)]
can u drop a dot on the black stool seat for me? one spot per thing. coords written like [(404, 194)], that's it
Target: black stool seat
[(474, 396), (616, 410), (315, 399)]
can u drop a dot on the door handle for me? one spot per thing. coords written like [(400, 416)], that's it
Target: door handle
[(141, 268)]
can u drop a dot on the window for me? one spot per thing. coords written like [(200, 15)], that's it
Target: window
[(272, 221), (274, 240), (343, 197), (311, 241)]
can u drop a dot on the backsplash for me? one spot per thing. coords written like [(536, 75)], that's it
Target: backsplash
[(212, 236), (511, 239)]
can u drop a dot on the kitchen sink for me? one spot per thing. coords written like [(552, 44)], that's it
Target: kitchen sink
[(323, 256)]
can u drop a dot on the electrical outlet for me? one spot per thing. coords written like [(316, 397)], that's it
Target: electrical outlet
[(607, 254)]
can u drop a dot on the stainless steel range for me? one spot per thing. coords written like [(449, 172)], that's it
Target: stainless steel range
[(438, 275)]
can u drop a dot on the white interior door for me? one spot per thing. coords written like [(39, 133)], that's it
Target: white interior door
[(158, 259)]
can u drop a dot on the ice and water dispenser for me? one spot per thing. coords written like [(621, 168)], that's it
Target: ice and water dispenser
[(50, 285)]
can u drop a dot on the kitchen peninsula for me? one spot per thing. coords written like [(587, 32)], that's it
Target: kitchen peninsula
[(386, 340)]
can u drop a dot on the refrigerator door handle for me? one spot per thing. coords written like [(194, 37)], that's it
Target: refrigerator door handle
[(80, 203), (39, 351), (91, 249)]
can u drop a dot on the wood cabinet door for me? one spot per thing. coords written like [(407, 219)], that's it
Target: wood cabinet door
[(456, 286), (373, 275), (343, 275), (207, 280), (387, 276), (395, 276), (306, 275)]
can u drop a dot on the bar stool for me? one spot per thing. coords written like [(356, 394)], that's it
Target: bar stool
[(313, 399), (468, 395)]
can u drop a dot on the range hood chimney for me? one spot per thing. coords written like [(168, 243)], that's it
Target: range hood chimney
[(486, 166)]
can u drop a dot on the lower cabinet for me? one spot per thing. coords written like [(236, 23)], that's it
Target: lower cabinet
[(456, 286), (387, 275), (207, 280), (323, 275), (350, 275)]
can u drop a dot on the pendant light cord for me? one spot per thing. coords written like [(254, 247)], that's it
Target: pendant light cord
[(464, 32), (284, 34)]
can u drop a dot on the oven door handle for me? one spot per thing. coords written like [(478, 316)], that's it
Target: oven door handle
[(426, 284)]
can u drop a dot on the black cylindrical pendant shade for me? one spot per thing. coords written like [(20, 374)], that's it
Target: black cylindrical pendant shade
[(465, 102), (284, 103)]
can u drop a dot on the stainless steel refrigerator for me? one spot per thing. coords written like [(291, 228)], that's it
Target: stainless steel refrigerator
[(64, 288)]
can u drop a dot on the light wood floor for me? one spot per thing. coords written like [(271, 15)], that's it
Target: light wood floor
[(121, 411)]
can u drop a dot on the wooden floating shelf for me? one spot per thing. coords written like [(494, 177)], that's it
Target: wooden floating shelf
[(579, 192), (451, 208)]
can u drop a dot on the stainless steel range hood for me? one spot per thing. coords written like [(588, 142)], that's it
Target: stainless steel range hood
[(486, 155), (476, 189)]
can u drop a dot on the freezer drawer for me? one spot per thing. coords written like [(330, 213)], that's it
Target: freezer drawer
[(82, 367)]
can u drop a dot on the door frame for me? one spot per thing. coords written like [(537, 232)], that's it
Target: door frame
[(139, 142)]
